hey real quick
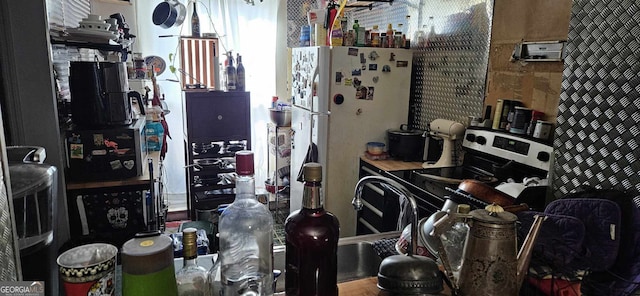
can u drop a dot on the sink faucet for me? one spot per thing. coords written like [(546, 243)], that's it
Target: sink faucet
[(357, 203)]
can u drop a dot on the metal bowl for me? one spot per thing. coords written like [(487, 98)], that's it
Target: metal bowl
[(280, 117)]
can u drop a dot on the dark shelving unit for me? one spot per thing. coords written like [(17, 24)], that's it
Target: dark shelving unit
[(221, 123)]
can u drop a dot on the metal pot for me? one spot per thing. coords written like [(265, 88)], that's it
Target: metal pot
[(168, 14), (406, 144)]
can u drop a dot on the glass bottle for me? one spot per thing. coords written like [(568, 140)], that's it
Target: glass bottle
[(356, 32), (215, 285), (246, 237), (375, 36), (389, 36), (231, 73), (453, 239), (311, 236), (191, 278), (195, 21), (240, 75)]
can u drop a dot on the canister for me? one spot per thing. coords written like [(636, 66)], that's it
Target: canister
[(542, 130), (147, 265), (521, 119)]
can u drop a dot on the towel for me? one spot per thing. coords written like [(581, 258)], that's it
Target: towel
[(406, 213), (312, 156)]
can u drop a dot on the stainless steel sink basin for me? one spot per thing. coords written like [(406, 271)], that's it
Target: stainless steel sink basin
[(356, 258)]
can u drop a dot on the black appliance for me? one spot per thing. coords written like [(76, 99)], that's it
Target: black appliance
[(406, 144), (112, 153), (489, 156), (100, 94)]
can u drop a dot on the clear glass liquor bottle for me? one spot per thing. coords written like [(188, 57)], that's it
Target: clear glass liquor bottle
[(246, 237), (191, 278), (311, 235)]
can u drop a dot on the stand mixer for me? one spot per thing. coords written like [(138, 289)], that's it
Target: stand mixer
[(448, 131)]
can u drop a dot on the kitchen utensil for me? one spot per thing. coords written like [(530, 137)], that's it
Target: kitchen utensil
[(406, 144), (280, 117), (88, 269), (166, 14), (147, 265), (403, 274), (485, 192), (491, 265)]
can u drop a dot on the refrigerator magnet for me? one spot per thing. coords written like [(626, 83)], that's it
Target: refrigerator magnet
[(402, 64), (76, 151), (386, 68), (370, 90), (361, 93), (373, 67), (348, 82), (352, 51), (373, 55), (339, 77), (392, 57), (363, 59), (356, 72), (375, 79), (356, 82)]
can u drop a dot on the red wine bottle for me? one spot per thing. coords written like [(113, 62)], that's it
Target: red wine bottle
[(311, 236)]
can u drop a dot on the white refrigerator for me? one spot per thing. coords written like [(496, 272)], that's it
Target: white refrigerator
[(342, 98)]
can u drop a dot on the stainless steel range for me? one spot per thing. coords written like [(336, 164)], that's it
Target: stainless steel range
[(492, 157)]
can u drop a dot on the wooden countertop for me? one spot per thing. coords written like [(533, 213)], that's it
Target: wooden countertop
[(140, 180), (393, 165), (368, 287)]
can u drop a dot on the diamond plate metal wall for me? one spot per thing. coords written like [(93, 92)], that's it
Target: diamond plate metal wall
[(450, 70), (597, 136)]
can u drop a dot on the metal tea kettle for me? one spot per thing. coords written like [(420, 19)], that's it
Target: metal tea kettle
[(491, 263)]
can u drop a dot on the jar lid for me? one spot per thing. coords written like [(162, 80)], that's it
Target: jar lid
[(244, 163)]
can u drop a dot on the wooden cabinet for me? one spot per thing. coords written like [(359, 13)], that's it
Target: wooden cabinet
[(217, 124)]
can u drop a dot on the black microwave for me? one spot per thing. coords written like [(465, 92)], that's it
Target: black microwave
[(113, 153)]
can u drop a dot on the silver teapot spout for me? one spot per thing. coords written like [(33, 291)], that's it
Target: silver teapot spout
[(490, 265)]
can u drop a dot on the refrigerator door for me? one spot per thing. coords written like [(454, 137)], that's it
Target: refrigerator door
[(369, 94), (343, 98), (310, 74)]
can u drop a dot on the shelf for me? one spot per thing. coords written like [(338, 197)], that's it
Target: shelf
[(90, 45), (118, 2)]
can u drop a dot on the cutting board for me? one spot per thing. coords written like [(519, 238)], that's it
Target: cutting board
[(368, 287), (361, 287)]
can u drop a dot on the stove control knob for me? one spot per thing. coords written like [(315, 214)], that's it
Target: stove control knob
[(543, 156), (481, 140), (471, 137)]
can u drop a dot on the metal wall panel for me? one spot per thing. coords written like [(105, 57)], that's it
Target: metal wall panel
[(597, 137)]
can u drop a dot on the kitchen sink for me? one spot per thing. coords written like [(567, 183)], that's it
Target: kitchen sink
[(356, 258)]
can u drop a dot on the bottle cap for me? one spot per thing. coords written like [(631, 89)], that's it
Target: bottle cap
[(244, 163), (189, 238), (464, 209), (312, 171)]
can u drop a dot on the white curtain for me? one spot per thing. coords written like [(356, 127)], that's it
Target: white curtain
[(242, 28)]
